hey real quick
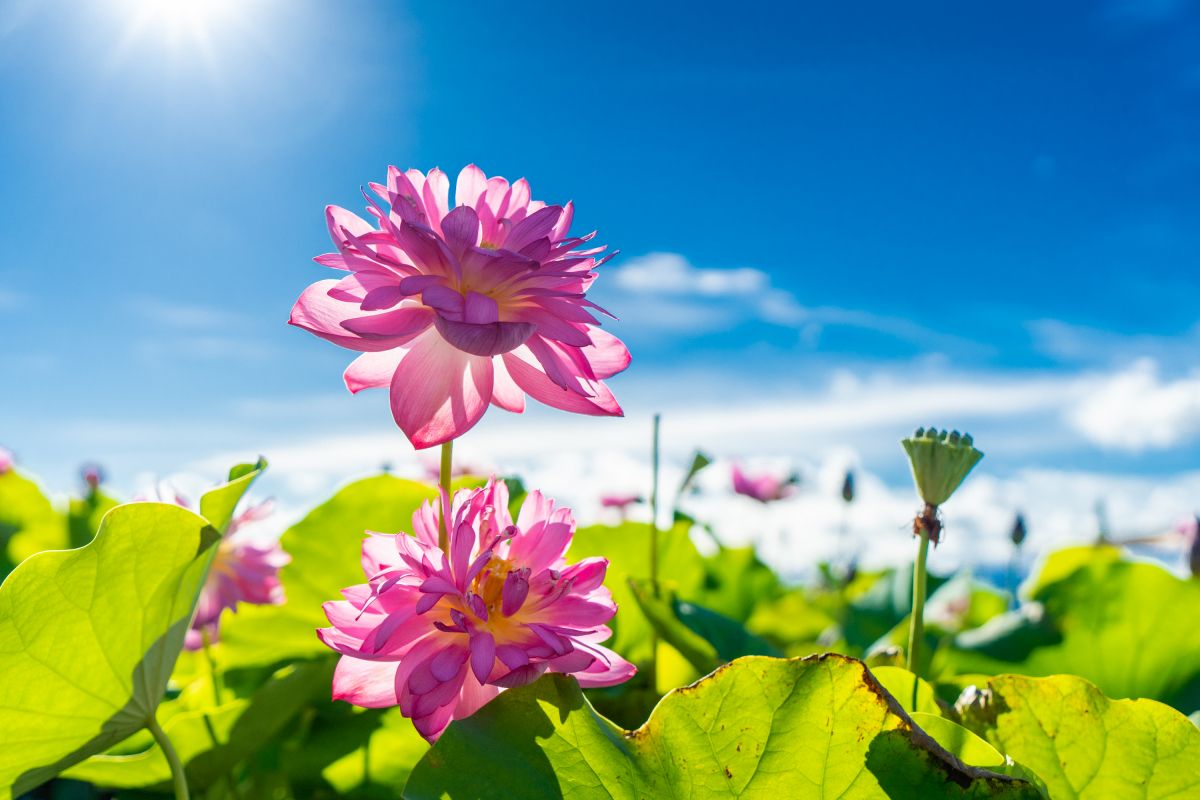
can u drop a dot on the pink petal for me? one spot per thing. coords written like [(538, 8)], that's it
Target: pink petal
[(505, 392), (373, 370), (439, 392), (490, 339), (535, 383), (401, 323), (318, 313), (370, 684), (472, 183), (483, 656), (607, 354)]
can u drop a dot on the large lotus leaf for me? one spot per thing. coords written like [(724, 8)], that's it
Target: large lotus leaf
[(756, 728), (28, 522), (1125, 626), (326, 551), (1084, 745), (88, 637), (210, 742), (627, 548)]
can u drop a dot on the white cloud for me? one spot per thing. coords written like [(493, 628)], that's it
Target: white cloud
[(664, 291), (1136, 410)]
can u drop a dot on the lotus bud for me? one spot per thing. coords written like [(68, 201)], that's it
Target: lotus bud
[(1018, 530), (940, 462), (93, 476), (848, 487)]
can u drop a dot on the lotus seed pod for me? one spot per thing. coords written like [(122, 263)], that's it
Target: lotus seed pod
[(939, 464)]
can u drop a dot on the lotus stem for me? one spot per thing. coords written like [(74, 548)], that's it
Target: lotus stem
[(206, 642), (916, 628), (654, 463), (444, 481), (177, 773)]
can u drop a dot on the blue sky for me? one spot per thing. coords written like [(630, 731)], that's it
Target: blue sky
[(837, 221)]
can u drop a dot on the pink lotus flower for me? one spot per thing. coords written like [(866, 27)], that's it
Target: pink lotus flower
[(621, 502), (453, 309), (764, 488), (440, 634), (6, 460), (242, 572)]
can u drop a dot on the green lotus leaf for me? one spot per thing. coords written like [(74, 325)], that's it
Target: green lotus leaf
[(210, 741), (28, 522), (1084, 745), (1123, 625), (88, 637), (757, 728)]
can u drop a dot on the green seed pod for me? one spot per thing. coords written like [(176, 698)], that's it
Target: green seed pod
[(940, 462)]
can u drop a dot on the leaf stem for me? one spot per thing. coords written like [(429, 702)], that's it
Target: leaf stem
[(654, 464), (916, 627), (160, 736), (444, 481)]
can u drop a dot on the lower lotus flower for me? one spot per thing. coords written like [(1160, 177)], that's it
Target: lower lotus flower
[(242, 571), (442, 633), (6, 461)]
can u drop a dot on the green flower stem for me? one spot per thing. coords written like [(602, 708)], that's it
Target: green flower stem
[(160, 736), (916, 627), (654, 462), (206, 641), (444, 482)]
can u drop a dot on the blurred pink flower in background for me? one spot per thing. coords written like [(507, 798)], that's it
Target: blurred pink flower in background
[(621, 502), (453, 309), (440, 634), (93, 475), (460, 470), (764, 488), (6, 460), (243, 571)]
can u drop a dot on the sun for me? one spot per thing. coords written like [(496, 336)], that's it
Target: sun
[(179, 25)]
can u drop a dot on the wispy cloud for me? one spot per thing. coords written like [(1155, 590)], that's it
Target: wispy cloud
[(185, 316), (203, 348), (11, 300), (1084, 345), (665, 291)]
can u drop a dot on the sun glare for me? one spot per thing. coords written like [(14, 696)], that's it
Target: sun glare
[(179, 26)]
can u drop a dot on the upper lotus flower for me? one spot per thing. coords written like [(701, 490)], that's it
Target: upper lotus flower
[(456, 308), (6, 460), (440, 634), (763, 488), (242, 572)]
